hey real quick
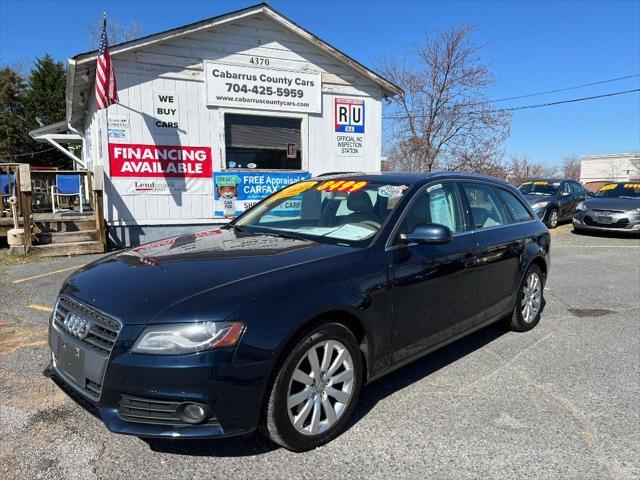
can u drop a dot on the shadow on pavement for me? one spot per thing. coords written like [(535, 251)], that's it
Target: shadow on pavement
[(256, 444)]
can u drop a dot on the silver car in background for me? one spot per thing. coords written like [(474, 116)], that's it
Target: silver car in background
[(614, 208)]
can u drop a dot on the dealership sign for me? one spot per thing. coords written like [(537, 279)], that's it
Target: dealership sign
[(262, 88), (160, 168)]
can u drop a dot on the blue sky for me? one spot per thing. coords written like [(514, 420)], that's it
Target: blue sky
[(531, 46)]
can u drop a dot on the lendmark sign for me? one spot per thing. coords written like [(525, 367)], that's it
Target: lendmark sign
[(158, 161)]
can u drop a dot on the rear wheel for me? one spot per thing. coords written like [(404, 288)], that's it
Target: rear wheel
[(315, 390), (552, 222), (528, 307)]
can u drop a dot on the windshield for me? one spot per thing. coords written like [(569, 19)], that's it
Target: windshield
[(343, 211), (538, 188), (620, 190)]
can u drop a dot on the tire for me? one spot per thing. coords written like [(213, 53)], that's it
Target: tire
[(520, 320), (552, 221), (312, 396)]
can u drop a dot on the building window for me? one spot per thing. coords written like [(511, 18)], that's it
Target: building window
[(264, 143)]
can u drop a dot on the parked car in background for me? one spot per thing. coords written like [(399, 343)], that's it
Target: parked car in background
[(553, 200), (278, 319), (614, 208)]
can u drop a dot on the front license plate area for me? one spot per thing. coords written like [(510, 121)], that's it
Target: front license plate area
[(71, 361), (605, 219)]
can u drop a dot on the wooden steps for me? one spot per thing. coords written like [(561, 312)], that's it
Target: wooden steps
[(64, 234), (67, 236), (66, 248)]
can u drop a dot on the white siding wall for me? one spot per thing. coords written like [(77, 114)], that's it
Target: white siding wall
[(176, 66), (610, 168)]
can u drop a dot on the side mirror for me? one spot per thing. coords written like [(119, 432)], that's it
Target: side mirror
[(589, 193), (428, 233)]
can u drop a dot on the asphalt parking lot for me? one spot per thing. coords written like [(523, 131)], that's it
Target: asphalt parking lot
[(562, 401)]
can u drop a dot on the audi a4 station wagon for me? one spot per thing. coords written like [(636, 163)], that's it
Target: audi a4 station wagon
[(614, 208), (277, 320), (553, 200)]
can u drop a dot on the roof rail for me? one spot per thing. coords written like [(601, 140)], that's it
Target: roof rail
[(340, 173)]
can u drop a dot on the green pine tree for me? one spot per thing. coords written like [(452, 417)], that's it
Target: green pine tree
[(12, 121), (45, 100)]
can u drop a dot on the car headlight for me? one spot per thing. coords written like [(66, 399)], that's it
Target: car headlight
[(539, 205), (635, 211), (581, 206), (184, 338)]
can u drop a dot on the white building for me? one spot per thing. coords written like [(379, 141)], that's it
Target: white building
[(217, 114), (596, 170)]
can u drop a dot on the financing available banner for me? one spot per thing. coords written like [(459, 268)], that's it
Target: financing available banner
[(235, 192), (160, 169)]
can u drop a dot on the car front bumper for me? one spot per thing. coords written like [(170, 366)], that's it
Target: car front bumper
[(611, 222), (232, 394)]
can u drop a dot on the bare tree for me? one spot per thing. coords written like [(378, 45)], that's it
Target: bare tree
[(521, 168), (443, 119), (116, 32), (571, 167)]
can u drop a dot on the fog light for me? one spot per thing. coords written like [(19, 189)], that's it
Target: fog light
[(193, 412)]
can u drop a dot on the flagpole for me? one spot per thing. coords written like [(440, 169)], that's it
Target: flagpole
[(106, 166)]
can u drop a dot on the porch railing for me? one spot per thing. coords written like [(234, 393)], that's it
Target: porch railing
[(32, 191)]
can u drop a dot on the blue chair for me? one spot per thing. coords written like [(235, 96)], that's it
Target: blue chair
[(67, 186), (7, 187)]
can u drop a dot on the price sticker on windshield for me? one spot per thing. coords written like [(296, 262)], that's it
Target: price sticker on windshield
[(631, 185), (348, 186), (611, 186)]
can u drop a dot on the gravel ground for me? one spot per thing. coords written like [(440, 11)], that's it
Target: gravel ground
[(561, 401)]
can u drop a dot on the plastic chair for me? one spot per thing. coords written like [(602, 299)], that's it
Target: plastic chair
[(7, 186), (66, 187)]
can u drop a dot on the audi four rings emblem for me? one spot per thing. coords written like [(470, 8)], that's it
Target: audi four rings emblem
[(77, 326)]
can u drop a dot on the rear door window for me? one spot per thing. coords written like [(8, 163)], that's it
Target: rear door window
[(487, 209), (518, 211)]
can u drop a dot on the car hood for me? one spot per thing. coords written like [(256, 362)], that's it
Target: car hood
[(538, 198), (601, 203), (138, 285)]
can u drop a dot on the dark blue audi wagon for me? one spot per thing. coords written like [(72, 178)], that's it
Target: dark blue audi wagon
[(276, 320)]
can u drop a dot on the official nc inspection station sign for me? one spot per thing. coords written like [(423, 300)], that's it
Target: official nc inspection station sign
[(235, 192), (257, 87)]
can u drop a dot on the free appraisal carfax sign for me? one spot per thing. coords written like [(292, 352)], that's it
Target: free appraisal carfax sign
[(159, 161)]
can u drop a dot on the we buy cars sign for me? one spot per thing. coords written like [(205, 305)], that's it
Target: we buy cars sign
[(160, 168)]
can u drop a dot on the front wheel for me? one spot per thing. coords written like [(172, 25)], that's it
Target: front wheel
[(552, 222), (315, 390), (528, 307)]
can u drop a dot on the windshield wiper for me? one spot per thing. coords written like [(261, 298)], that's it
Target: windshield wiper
[(280, 234)]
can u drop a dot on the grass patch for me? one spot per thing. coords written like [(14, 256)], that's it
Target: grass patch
[(7, 260)]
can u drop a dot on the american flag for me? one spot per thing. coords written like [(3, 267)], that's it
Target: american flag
[(106, 89)]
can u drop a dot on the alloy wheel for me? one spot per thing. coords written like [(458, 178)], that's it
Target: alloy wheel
[(320, 388), (531, 297), (553, 219)]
